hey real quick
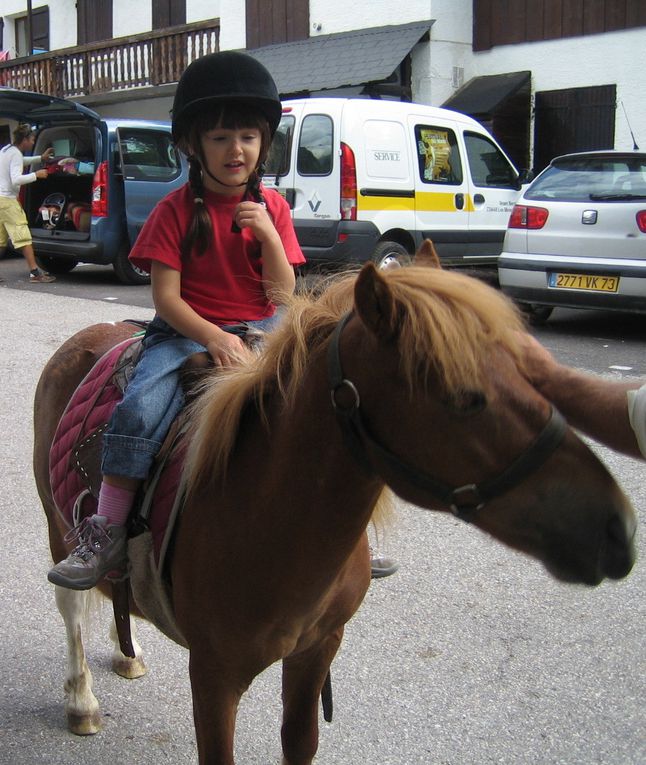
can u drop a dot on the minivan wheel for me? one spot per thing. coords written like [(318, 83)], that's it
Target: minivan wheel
[(536, 314), (126, 272), (391, 255), (56, 265)]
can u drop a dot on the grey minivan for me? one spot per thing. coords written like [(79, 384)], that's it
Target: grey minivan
[(104, 179)]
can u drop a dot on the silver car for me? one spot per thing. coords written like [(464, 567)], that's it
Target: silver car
[(577, 236)]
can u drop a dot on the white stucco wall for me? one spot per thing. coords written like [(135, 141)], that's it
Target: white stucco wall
[(343, 16), (200, 10), (130, 18), (609, 59), (232, 24), (433, 76)]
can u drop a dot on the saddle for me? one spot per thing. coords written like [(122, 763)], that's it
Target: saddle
[(75, 454), (75, 477)]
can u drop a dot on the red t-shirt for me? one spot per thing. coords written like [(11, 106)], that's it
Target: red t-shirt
[(224, 284)]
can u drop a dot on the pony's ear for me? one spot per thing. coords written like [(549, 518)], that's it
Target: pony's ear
[(374, 302), (426, 255)]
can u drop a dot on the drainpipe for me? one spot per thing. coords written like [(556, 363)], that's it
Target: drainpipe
[(30, 29)]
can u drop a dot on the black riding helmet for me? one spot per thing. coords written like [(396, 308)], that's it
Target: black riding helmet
[(224, 76)]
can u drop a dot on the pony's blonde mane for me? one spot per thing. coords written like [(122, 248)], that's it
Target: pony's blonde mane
[(448, 325)]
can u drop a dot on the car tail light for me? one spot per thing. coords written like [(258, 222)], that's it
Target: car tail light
[(641, 220), (348, 184), (100, 191), (528, 217)]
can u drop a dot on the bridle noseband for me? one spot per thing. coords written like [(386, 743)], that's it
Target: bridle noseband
[(461, 500)]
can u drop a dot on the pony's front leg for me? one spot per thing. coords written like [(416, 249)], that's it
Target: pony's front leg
[(303, 678), (81, 706), (123, 665), (216, 696)]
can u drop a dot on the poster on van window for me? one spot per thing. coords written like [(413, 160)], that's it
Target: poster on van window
[(434, 148)]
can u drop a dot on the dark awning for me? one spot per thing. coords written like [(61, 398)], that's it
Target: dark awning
[(340, 60), (484, 96)]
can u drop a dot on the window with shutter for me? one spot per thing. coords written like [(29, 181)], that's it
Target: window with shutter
[(278, 21), (168, 13), (94, 20), (39, 32)]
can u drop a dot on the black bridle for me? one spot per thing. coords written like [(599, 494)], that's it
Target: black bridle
[(462, 500)]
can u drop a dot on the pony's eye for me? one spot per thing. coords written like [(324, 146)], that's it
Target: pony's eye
[(468, 402)]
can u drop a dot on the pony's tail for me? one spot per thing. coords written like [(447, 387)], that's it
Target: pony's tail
[(199, 235)]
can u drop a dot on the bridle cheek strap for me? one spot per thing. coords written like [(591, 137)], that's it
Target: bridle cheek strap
[(461, 500)]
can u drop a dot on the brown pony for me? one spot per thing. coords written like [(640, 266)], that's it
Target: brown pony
[(417, 389)]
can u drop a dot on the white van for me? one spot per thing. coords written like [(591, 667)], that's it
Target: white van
[(370, 179)]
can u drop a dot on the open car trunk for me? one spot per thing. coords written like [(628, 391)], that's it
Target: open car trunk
[(60, 205)]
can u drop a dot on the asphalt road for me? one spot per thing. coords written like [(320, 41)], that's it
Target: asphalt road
[(470, 654)]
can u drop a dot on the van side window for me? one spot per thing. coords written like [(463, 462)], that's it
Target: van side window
[(438, 155), (148, 155), (315, 155), (280, 150), (487, 164)]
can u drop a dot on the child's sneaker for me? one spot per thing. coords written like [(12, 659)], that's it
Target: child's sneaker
[(40, 277), (100, 550)]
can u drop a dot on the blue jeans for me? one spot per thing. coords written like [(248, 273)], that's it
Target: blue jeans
[(153, 398)]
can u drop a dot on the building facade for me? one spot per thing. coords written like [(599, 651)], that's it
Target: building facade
[(546, 76)]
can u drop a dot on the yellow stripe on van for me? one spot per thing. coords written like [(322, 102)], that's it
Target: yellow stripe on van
[(427, 201), (385, 203), (441, 201)]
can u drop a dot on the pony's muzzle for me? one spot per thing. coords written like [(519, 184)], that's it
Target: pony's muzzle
[(618, 553)]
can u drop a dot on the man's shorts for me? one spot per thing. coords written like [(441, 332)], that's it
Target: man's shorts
[(13, 224)]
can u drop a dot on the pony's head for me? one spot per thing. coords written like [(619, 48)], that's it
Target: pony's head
[(434, 363)]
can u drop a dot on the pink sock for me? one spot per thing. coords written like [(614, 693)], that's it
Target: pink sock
[(115, 504)]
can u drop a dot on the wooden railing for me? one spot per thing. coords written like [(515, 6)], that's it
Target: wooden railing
[(153, 58)]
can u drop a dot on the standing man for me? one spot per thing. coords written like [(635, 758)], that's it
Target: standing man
[(13, 222)]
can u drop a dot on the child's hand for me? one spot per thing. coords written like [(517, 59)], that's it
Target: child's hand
[(227, 349), (255, 216)]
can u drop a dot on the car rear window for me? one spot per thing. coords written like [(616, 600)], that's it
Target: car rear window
[(584, 179), (148, 155)]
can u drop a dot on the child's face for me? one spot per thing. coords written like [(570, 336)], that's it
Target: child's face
[(231, 156)]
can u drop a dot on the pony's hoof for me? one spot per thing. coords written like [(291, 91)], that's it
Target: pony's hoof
[(84, 725), (129, 668)]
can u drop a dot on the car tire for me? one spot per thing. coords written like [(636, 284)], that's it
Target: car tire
[(126, 272), (56, 265), (387, 254), (536, 314)]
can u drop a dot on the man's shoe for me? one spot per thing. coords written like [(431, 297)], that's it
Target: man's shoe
[(381, 566), (40, 277), (100, 550)]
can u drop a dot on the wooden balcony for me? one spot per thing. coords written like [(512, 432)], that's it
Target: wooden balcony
[(149, 59)]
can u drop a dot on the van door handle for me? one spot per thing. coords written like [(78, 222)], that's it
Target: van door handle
[(478, 199), (459, 201)]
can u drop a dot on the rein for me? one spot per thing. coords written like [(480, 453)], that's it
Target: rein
[(461, 500)]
